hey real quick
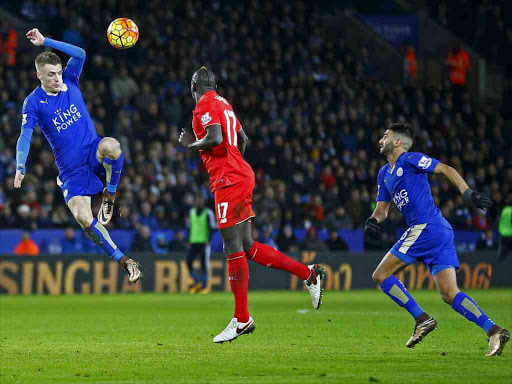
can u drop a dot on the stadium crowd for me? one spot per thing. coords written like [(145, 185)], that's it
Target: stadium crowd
[(311, 110)]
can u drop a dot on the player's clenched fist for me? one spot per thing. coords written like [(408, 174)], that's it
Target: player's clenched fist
[(186, 138), (35, 37), (18, 179)]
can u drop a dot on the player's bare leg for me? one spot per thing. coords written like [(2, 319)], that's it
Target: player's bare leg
[(267, 256), (446, 281), (384, 276), (109, 153), (238, 270), (80, 207)]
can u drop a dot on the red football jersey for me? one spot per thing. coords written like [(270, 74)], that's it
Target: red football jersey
[(224, 162)]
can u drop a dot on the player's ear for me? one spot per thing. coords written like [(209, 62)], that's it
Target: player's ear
[(39, 75)]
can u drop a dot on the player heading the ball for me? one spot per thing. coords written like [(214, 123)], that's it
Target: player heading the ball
[(221, 140)]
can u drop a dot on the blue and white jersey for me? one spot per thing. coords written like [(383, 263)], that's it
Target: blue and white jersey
[(63, 118), (407, 185)]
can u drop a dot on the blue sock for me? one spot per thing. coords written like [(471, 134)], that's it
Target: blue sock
[(194, 276), (396, 290), (114, 169), (99, 235), (204, 278), (468, 308)]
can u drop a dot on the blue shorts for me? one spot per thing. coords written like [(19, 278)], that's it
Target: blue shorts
[(84, 179), (429, 243)]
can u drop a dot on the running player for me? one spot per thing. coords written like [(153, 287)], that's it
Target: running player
[(219, 136), (81, 155), (429, 238)]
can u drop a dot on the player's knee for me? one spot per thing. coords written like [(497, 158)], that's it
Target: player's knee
[(83, 218), (378, 277), (111, 148), (448, 295)]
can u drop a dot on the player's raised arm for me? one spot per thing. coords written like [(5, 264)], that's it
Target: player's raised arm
[(470, 197), (212, 139), (28, 121), (75, 63)]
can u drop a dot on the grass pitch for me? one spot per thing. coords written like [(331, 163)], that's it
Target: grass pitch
[(356, 337)]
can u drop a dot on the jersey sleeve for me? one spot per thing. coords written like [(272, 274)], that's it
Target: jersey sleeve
[(421, 163), (382, 191), (208, 115), (28, 121), (75, 64)]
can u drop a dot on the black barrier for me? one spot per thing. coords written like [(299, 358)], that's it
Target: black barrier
[(65, 274)]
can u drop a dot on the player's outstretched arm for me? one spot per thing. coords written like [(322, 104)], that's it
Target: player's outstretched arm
[(470, 197), (212, 139), (242, 140)]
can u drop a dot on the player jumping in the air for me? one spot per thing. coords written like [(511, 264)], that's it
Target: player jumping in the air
[(58, 107), (221, 140), (429, 238)]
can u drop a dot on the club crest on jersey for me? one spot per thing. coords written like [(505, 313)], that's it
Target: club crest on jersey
[(424, 162), (399, 172), (66, 118), (64, 87), (206, 118)]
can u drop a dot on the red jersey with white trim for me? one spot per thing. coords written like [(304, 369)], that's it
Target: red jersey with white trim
[(224, 162)]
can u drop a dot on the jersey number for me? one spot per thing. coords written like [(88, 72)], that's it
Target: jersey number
[(232, 136), (222, 210)]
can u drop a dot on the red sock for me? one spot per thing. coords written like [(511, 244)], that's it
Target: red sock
[(238, 272), (266, 255)]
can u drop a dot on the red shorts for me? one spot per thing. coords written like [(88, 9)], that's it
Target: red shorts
[(233, 204)]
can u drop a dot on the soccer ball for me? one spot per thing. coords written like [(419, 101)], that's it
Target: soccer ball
[(122, 33)]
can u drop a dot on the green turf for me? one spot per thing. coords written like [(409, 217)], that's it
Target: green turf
[(356, 337)]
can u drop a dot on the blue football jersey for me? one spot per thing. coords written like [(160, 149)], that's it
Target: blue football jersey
[(63, 118), (407, 185)]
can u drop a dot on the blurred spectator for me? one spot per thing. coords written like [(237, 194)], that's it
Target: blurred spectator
[(123, 85), (23, 220), (178, 244), (141, 241), (71, 243), (312, 243), (286, 241), (488, 241), (480, 221), (335, 242), (146, 218), (267, 236), (410, 63), (26, 246), (338, 220), (161, 247)]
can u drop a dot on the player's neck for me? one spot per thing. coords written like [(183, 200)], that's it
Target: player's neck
[(393, 156), (48, 92)]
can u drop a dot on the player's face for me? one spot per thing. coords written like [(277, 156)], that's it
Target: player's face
[(386, 143), (51, 77)]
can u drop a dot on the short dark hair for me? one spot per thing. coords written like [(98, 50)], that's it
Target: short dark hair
[(204, 77), (402, 129), (47, 58)]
